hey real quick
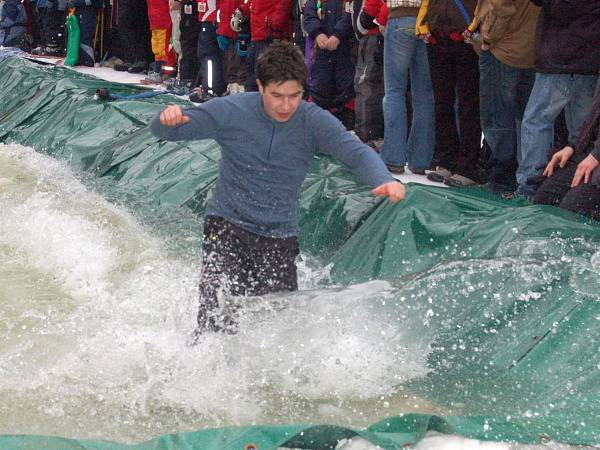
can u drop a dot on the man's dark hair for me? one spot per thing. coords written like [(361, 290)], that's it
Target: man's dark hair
[(280, 62)]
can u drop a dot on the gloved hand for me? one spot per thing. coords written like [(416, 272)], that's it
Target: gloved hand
[(223, 42)]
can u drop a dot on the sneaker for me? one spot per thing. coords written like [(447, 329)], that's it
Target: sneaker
[(154, 77), (417, 171), (395, 169), (459, 181), (181, 87), (53, 50), (39, 50), (235, 88), (439, 175)]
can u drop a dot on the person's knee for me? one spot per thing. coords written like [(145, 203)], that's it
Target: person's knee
[(584, 200)]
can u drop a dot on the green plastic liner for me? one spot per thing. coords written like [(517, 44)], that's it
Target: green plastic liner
[(504, 293)]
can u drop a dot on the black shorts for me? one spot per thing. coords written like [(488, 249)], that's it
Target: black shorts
[(237, 262)]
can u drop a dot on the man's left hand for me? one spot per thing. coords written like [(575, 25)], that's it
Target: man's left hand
[(394, 191), (332, 43), (584, 170)]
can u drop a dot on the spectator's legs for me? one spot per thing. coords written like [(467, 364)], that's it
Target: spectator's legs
[(404, 54), (56, 27), (322, 75), (557, 191), (550, 95), (235, 67), (210, 59), (189, 28), (443, 64), (581, 96), (134, 32), (468, 161), (254, 50), (503, 93), (421, 140), (343, 76), (368, 84), (87, 26)]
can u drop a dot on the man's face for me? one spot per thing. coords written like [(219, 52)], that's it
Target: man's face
[(281, 100)]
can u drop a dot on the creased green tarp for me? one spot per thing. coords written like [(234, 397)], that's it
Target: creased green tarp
[(506, 292)]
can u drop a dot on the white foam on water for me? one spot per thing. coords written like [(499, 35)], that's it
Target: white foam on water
[(96, 312), (437, 441)]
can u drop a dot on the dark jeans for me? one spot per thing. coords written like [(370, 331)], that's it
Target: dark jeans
[(254, 51), (557, 191), (208, 50), (368, 85), (236, 262), (50, 23), (503, 95), (235, 66), (455, 80), (189, 29), (87, 26), (332, 76), (134, 32)]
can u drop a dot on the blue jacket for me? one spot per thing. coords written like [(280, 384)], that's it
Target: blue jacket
[(264, 162), (337, 18), (13, 22)]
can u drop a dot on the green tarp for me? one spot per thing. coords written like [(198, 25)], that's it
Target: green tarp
[(506, 292)]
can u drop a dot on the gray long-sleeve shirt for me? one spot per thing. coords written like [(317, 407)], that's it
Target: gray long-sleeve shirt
[(264, 162)]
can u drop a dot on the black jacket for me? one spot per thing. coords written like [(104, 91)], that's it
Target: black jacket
[(568, 37)]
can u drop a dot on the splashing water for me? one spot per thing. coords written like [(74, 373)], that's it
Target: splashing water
[(96, 307)]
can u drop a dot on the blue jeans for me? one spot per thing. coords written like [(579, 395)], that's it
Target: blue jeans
[(503, 95), (550, 95), (404, 55)]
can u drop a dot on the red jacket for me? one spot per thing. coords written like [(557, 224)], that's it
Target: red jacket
[(377, 9), (207, 10), (158, 14), (269, 19), (226, 9)]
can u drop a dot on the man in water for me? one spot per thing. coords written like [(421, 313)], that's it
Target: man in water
[(268, 140)]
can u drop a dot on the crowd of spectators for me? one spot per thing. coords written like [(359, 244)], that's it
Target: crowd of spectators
[(420, 81)]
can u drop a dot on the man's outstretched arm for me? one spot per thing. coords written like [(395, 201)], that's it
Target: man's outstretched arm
[(333, 139), (177, 124)]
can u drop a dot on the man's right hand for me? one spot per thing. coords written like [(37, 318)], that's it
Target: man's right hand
[(560, 157), (173, 116), (322, 41)]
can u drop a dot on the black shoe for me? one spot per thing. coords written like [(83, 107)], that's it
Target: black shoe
[(503, 191), (122, 67), (395, 169), (199, 96), (138, 67), (417, 171)]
